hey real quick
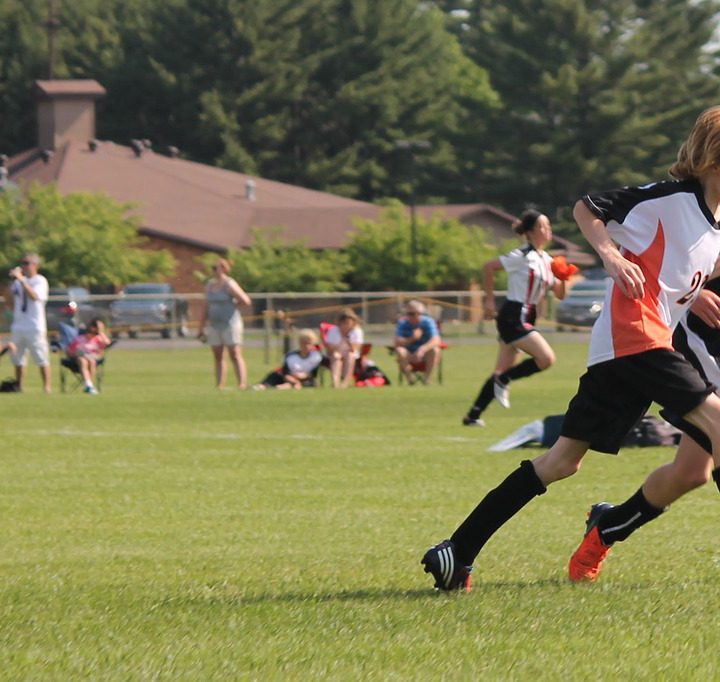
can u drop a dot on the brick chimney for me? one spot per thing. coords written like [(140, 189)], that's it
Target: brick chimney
[(66, 111)]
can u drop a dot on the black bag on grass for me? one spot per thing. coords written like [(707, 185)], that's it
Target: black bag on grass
[(9, 386)]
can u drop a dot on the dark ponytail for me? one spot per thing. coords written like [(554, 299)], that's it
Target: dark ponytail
[(526, 222)]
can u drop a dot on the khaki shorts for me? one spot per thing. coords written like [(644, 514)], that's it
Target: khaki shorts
[(33, 341), (232, 335)]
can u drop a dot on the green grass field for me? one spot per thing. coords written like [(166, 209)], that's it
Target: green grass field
[(168, 531)]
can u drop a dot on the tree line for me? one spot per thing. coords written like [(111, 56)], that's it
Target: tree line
[(520, 102), (91, 240)]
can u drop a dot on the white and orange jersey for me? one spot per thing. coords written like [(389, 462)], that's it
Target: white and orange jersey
[(668, 230), (529, 274)]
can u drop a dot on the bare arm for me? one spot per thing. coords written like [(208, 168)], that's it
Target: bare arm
[(20, 277), (407, 340), (707, 308), (559, 289), (203, 319), (238, 293), (628, 276), (104, 338)]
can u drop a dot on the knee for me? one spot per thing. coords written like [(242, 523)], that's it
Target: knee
[(694, 477), (545, 360), (561, 461)]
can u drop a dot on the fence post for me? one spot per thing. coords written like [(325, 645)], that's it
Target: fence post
[(268, 324)]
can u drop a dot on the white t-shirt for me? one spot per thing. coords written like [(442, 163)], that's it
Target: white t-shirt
[(296, 363), (29, 314), (667, 229), (334, 338)]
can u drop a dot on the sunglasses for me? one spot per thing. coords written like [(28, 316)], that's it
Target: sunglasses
[(26, 262)]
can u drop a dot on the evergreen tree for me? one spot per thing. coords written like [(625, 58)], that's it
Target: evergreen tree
[(312, 92), (594, 93)]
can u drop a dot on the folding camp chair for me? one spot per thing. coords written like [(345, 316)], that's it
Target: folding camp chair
[(70, 376)]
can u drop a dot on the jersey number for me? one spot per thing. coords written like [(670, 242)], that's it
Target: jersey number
[(697, 282)]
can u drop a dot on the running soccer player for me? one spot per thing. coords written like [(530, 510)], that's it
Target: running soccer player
[(659, 244), (697, 337), (530, 274)]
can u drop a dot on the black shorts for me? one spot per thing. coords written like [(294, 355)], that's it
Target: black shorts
[(514, 321), (613, 395)]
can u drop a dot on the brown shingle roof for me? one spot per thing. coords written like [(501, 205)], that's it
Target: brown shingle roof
[(193, 202), (206, 207)]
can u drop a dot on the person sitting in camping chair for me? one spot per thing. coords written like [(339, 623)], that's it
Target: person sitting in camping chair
[(343, 342), (417, 343), (86, 350)]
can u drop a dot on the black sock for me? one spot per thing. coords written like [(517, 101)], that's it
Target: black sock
[(485, 397), (619, 522), (523, 369), (716, 477), (497, 507)]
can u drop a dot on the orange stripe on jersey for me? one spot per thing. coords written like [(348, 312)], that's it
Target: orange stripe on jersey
[(636, 323)]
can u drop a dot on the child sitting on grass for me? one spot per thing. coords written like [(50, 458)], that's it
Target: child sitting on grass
[(299, 367)]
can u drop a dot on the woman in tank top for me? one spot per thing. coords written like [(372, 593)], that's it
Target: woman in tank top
[(221, 323)]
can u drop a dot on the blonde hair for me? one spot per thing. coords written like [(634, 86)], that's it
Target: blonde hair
[(307, 335), (701, 150)]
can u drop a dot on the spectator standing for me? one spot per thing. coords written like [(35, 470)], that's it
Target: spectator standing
[(417, 342), (29, 291), (221, 323)]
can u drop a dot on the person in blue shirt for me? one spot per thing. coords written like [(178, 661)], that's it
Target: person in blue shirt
[(417, 343)]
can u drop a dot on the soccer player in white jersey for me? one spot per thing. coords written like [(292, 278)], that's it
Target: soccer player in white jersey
[(697, 337), (530, 275), (659, 243)]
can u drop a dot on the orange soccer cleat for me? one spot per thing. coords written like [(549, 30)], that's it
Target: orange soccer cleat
[(586, 563)]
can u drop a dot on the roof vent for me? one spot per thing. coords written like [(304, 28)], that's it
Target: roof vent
[(147, 144), (3, 160), (137, 147), (173, 152), (92, 145), (46, 155), (250, 190)]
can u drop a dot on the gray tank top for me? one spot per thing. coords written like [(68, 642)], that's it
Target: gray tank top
[(222, 310)]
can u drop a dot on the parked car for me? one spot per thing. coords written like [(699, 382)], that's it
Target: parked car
[(582, 305), (72, 305), (149, 306)]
